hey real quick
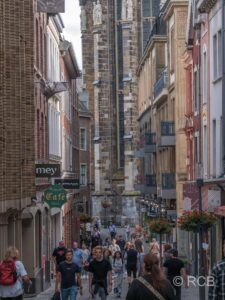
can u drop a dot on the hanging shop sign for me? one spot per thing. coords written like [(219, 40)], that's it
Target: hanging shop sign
[(68, 184), (47, 170), (55, 196)]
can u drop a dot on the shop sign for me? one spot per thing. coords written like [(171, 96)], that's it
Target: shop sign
[(47, 170), (55, 196), (69, 184)]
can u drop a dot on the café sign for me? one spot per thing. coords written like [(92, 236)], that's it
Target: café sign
[(47, 170), (55, 196)]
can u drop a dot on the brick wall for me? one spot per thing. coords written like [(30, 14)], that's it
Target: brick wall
[(16, 104)]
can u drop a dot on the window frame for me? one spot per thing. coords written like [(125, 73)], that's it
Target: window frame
[(85, 175), (84, 148)]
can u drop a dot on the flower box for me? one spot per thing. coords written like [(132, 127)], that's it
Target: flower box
[(195, 221), (160, 226)]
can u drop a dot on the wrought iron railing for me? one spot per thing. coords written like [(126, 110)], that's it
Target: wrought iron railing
[(150, 180), (150, 138), (168, 181), (167, 128), (161, 83)]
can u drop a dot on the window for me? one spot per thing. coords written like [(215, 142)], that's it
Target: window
[(195, 90), (83, 139), (83, 174), (214, 148), (54, 129), (205, 150), (204, 77), (217, 55), (172, 52)]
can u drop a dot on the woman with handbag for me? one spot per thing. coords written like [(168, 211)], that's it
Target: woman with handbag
[(153, 285)]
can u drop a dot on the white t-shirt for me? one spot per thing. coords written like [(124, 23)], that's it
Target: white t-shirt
[(88, 226), (16, 289)]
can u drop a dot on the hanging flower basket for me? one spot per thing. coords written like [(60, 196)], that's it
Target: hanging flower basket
[(84, 218), (160, 226), (195, 221), (105, 204)]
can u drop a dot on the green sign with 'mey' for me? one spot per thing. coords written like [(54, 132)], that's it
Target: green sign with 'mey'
[(55, 196)]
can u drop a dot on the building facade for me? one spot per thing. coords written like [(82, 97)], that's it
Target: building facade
[(110, 51)]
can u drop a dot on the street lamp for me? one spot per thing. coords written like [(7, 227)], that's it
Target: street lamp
[(200, 183)]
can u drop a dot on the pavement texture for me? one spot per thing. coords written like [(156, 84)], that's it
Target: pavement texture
[(187, 294)]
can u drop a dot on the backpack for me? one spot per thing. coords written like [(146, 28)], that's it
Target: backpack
[(8, 275)]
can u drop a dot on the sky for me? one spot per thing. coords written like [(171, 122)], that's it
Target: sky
[(71, 20)]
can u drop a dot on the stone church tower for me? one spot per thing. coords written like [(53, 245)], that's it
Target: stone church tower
[(111, 46)]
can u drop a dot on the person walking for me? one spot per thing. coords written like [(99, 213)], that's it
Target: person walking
[(166, 254), (95, 238), (12, 275), (140, 259), (131, 263), (112, 230), (100, 275), (118, 272), (114, 247), (59, 253), (107, 254), (77, 255), (154, 247), (85, 257), (68, 278), (217, 289), (127, 231), (174, 267), (121, 242), (153, 284)]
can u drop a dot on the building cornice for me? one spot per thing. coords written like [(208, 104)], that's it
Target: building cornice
[(205, 6), (174, 4), (144, 112), (155, 39)]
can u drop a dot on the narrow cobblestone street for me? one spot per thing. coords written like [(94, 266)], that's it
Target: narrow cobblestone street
[(190, 293)]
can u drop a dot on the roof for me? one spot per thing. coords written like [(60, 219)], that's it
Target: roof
[(70, 59)]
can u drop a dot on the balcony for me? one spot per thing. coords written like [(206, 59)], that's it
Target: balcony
[(168, 185), (150, 184), (167, 138), (150, 142), (160, 90)]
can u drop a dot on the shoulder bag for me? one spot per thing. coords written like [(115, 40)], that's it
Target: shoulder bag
[(150, 288)]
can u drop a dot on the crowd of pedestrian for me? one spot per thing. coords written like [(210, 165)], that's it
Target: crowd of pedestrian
[(106, 264)]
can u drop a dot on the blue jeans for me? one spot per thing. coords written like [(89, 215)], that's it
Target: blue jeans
[(70, 293)]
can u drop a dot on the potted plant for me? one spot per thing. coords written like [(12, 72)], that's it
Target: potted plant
[(160, 226), (105, 204), (196, 220), (85, 218)]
